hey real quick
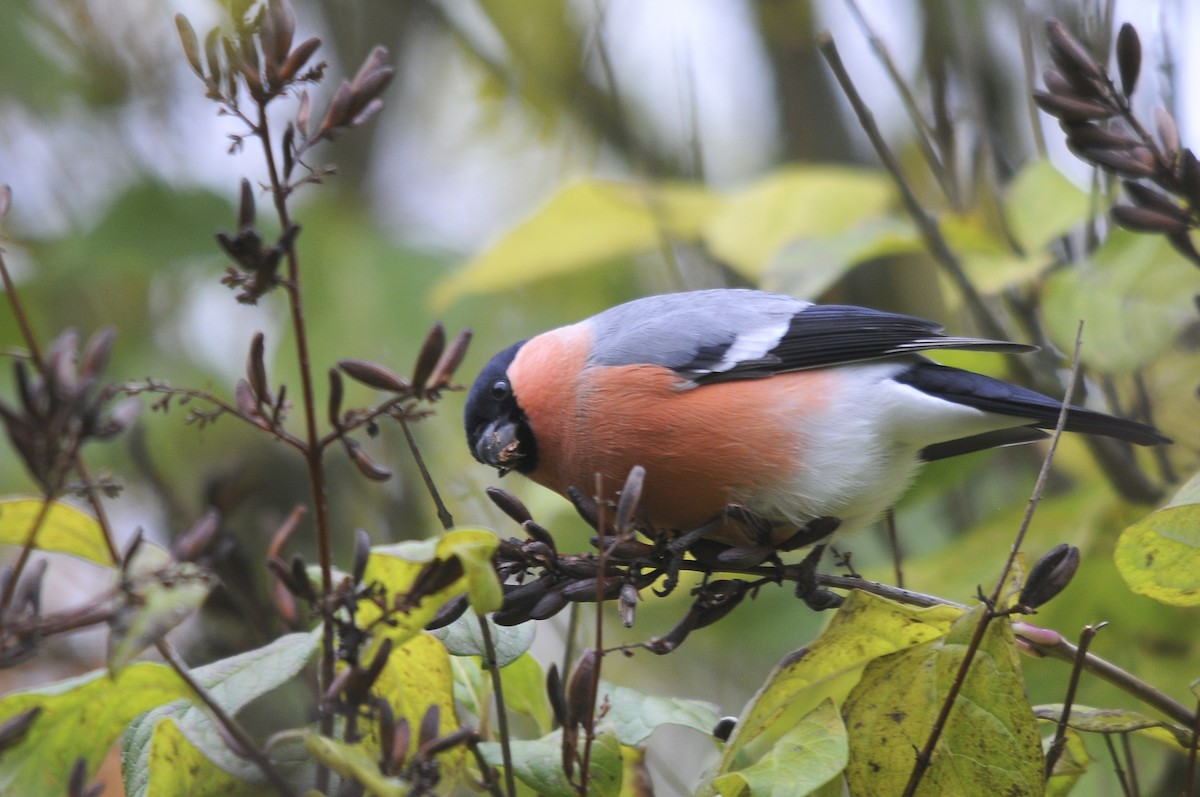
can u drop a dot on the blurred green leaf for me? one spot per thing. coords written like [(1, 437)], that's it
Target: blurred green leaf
[(1042, 204), (586, 224), (463, 637), (151, 604), (543, 51), (1159, 556), (1134, 296), (538, 764), (807, 267), (1115, 720), (805, 758), (634, 715), (525, 690), (793, 204), (990, 743)]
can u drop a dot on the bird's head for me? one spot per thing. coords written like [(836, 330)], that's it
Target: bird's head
[(498, 432)]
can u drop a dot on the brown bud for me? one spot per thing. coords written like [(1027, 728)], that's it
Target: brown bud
[(631, 496), (581, 692), (1072, 107), (13, 730), (387, 735), (302, 115), (1141, 219), (584, 505), (509, 504), (336, 393), (1189, 177), (366, 466), (256, 369), (1129, 57), (450, 611), (400, 742), (336, 115), (1136, 162), (247, 402), (1050, 575), (1182, 243), (198, 539), (212, 43), (362, 552), (431, 352), (279, 25), (451, 358), (379, 661), (374, 375), (1168, 132), (591, 590), (298, 58), (191, 45), (96, 353), (539, 533), (430, 725), (1076, 63), (441, 744), (1147, 197), (549, 605), (1088, 134)]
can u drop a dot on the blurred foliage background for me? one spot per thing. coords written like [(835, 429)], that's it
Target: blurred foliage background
[(539, 161)]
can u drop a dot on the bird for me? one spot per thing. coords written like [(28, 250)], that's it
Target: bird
[(789, 412)]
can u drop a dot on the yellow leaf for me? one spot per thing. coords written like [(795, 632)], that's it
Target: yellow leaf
[(586, 224), (64, 530), (1159, 556), (793, 204)]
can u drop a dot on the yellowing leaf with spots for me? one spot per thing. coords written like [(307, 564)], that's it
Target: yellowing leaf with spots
[(1159, 556)]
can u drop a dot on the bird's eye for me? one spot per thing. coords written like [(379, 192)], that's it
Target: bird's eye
[(501, 389)]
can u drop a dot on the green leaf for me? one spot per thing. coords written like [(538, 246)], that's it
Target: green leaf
[(1134, 296), (149, 604), (354, 762), (538, 764), (1114, 720), (1071, 765), (587, 224), (990, 743), (81, 717), (1042, 205), (233, 682), (864, 628), (807, 267), (525, 690), (634, 715), (1159, 556), (808, 756), (464, 638), (64, 530), (793, 204)]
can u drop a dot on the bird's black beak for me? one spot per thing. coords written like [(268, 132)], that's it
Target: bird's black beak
[(498, 446)]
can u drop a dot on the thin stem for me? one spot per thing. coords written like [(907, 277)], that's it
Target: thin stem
[(925, 756), (249, 748), (493, 669), (1035, 119), (1116, 760), (312, 451), (1192, 750), (10, 290), (487, 771), (1060, 733), (443, 513)]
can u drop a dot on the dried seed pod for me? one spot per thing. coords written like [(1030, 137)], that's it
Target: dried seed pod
[(197, 540), (1168, 132), (212, 45), (549, 605), (577, 566), (279, 26), (1129, 57), (430, 725), (296, 61), (441, 744), (374, 375), (335, 116), (433, 577), (591, 590), (1182, 242), (745, 557), (1076, 63), (450, 611), (379, 661), (387, 735), (451, 358), (1136, 162), (522, 596), (303, 114), (1049, 576), (256, 369), (96, 354), (191, 45), (247, 402), (1087, 134), (584, 506), (581, 693), (627, 603), (362, 553), (1140, 219), (336, 394), (401, 742), (1056, 83), (509, 504), (1147, 197), (366, 466), (1073, 108), (304, 587), (631, 496), (428, 357), (540, 534)]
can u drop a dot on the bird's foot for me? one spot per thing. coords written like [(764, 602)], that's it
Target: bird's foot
[(807, 588)]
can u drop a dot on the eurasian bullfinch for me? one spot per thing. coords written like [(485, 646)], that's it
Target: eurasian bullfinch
[(786, 410)]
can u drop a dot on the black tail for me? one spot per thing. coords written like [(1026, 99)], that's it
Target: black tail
[(993, 395)]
